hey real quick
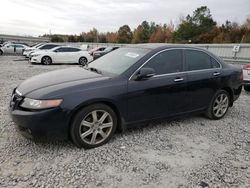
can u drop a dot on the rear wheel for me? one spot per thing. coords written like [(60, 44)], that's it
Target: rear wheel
[(46, 60), (219, 105), (247, 88), (83, 61), (93, 126), (1, 52)]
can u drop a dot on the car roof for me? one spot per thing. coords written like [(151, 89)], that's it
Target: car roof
[(153, 46)]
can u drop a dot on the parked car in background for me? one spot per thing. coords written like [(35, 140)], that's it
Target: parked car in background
[(100, 48), (46, 46), (11, 48), (246, 77), (98, 54), (61, 54), (127, 86), (32, 48)]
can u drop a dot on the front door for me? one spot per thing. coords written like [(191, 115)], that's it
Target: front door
[(161, 95)]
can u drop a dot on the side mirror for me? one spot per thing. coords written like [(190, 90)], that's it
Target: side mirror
[(144, 73)]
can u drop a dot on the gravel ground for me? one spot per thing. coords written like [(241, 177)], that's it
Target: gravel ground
[(191, 152)]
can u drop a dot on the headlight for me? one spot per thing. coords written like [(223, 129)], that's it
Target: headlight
[(35, 55), (40, 104)]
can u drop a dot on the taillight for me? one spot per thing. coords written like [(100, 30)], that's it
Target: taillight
[(246, 67), (241, 76)]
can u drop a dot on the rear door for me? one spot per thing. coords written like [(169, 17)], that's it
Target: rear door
[(19, 48), (75, 55), (204, 74), (162, 94)]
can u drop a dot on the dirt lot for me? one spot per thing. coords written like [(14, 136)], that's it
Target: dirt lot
[(191, 152)]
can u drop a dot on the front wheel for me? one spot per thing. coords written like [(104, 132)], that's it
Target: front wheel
[(219, 105), (93, 126), (46, 60), (83, 61), (247, 88)]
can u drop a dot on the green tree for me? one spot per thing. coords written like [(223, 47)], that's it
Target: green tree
[(72, 38), (124, 34), (145, 32), (56, 38), (193, 26)]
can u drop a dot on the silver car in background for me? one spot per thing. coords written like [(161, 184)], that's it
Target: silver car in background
[(12, 48)]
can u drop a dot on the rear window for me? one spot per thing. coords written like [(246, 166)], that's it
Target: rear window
[(197, 60)]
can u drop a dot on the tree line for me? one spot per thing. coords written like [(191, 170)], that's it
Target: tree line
[(200, 27)]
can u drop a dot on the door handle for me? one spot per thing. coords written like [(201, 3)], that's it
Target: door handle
[(216, 73), (178, 79)]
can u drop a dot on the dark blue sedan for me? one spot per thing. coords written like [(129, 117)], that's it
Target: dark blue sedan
[(123, 88)]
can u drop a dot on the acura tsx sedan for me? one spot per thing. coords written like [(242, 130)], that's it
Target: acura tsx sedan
[(128, 86)]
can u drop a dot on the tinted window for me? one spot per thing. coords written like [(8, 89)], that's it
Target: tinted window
[(197, 60), (19, 46), (166, 62), (215, 64), (48, 46), (74, 49)]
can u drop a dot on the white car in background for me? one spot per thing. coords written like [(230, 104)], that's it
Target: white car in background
[(32, 48), (61, 54), (246, 77), (12, 48), (46, 46)]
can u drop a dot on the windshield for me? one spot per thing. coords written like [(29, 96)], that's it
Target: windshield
[(118, 61)]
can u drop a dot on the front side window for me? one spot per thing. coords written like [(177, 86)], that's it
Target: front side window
[(74, 50), (49, 46), (166, 62), (197, 60)]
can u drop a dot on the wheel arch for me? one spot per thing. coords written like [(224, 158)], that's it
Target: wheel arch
[(46, 56), (231, 94), (120, 124)]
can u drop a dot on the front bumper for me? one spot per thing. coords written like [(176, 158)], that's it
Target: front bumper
[(51, 123), (35, 59)]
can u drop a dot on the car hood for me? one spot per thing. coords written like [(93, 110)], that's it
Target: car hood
[(61, 77)]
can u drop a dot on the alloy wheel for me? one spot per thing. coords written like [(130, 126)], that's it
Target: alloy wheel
[(96, 127), (46, 60), (221, 105), (83, 61)]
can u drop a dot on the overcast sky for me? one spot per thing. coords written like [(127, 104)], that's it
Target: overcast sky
[(36, 17)]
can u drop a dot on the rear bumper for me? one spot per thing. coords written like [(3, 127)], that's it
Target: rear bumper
[(246, 82), (50, 123)]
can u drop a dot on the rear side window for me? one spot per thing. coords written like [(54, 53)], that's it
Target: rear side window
[(197, 60), (166, 62)]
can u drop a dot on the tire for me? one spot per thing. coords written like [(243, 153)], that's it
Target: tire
[(93, 126), (247, 88), (219, 105), (1, 52), (46, 60), (83, 61)]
